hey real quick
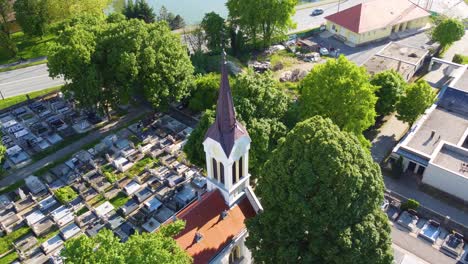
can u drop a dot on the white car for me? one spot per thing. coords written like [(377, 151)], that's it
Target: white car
[(324, 51), (384, 205)]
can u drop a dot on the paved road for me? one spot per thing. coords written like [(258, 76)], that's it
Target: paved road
[(305, 20), (72, 148), (411, 250), (27, 80)]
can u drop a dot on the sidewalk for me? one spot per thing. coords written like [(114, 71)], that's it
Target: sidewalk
[(17, 63), (72, 148)]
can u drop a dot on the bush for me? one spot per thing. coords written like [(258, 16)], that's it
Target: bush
[(65, 194), (110, 177), (410, 204), (460, 59), (397, 168)]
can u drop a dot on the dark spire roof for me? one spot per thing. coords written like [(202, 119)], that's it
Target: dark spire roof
[(226, 129)]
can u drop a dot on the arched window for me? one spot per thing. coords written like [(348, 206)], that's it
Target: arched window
[(235, 255)]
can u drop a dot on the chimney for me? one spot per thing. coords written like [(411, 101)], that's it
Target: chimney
[(198, 237), (433, 133), (224, 214)]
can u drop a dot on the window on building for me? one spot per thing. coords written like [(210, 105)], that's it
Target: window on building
[(237, 170), (221, 170), (241, 168), (235, 255), (234, 173), (215, 169)]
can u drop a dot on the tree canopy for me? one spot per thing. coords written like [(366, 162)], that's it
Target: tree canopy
[(262, 19), (213, 25), (417, 98), (64, 9), (320, 191), (261, 106), (448, 31), (147, 248), (174, 21), (6, 7), (32, 15), (140, 10), (390, 87), (108, 61), (205, 92), (340, 90)]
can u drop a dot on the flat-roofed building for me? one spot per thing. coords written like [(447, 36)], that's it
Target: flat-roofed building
[(436, 147)]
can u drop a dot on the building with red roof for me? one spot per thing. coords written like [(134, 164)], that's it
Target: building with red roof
[(215, 230), (375, 20)]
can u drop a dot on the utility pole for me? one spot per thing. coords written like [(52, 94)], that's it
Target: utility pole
[(339, 2)]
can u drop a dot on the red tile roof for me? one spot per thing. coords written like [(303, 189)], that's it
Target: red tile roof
[(204, 217), (377, 14)]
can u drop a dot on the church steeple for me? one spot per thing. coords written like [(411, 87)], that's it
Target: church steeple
[(226, 129), (226, 146)]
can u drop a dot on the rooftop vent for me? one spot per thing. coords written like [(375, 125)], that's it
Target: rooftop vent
[(433, 133), (198, 237), (224, 214)]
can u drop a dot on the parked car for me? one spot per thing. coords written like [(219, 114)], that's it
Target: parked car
[(430, 231), (384, 205), (317, 12), (453, 245), (323, 51)]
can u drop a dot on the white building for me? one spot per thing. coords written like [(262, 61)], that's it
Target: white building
[(436, 147), (215, 229)]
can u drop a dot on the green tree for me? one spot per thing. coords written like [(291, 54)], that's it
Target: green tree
[(341, 91), (205, 92), (326, 209), (177, 22), (65, 194), (64, 9), (391, 86), (265, 19), (6, 8), (140, 10), (106, 62), (417, 98), (8, 44), (448, 31), (174, 21), (106, 248), (261, 106), (32, 15), (213, 25)]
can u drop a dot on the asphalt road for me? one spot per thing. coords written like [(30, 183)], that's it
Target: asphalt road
[(304, 19), (26, 80)]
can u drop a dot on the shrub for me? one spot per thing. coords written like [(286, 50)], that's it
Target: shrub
[(110, 177), (410, 204), (460, 59), (65, 194)]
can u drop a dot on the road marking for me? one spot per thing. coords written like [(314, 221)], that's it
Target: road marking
[(21, 80)]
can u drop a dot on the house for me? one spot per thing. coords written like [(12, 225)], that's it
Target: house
[(404, 59), (34, 184), (215, 230), (436, 147), (376, 20)]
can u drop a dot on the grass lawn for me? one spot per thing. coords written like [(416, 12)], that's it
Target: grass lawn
[(9, 258), (119, 200), (287, 59), (139, 167), (96, 201), (6, 241), (82, 211), (28, 47), (21, 66), (12, 187), (21, 98)]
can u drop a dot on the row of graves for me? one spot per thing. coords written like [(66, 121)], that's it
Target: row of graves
[(132, 181), (33, 127)]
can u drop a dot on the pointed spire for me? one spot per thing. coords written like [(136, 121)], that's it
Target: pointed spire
[(226, 129)]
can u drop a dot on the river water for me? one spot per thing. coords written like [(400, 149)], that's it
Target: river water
[(191, 10)]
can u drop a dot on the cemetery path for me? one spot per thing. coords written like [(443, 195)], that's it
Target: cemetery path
[(73, 147)]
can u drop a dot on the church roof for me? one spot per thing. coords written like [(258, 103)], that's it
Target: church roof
[(203, 218), (226, 129)]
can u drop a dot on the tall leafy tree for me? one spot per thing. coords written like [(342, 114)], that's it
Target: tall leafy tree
[(213, 25), (341, 91), (262, 19), (321, 192), (261, 106), (64, 9), (6, 8), (390, 88), (174, 21), (417, 98), (205, 92), (140, 10), (8, 44), (106, 62), (448, 31), (32, 15), (106, 248)]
